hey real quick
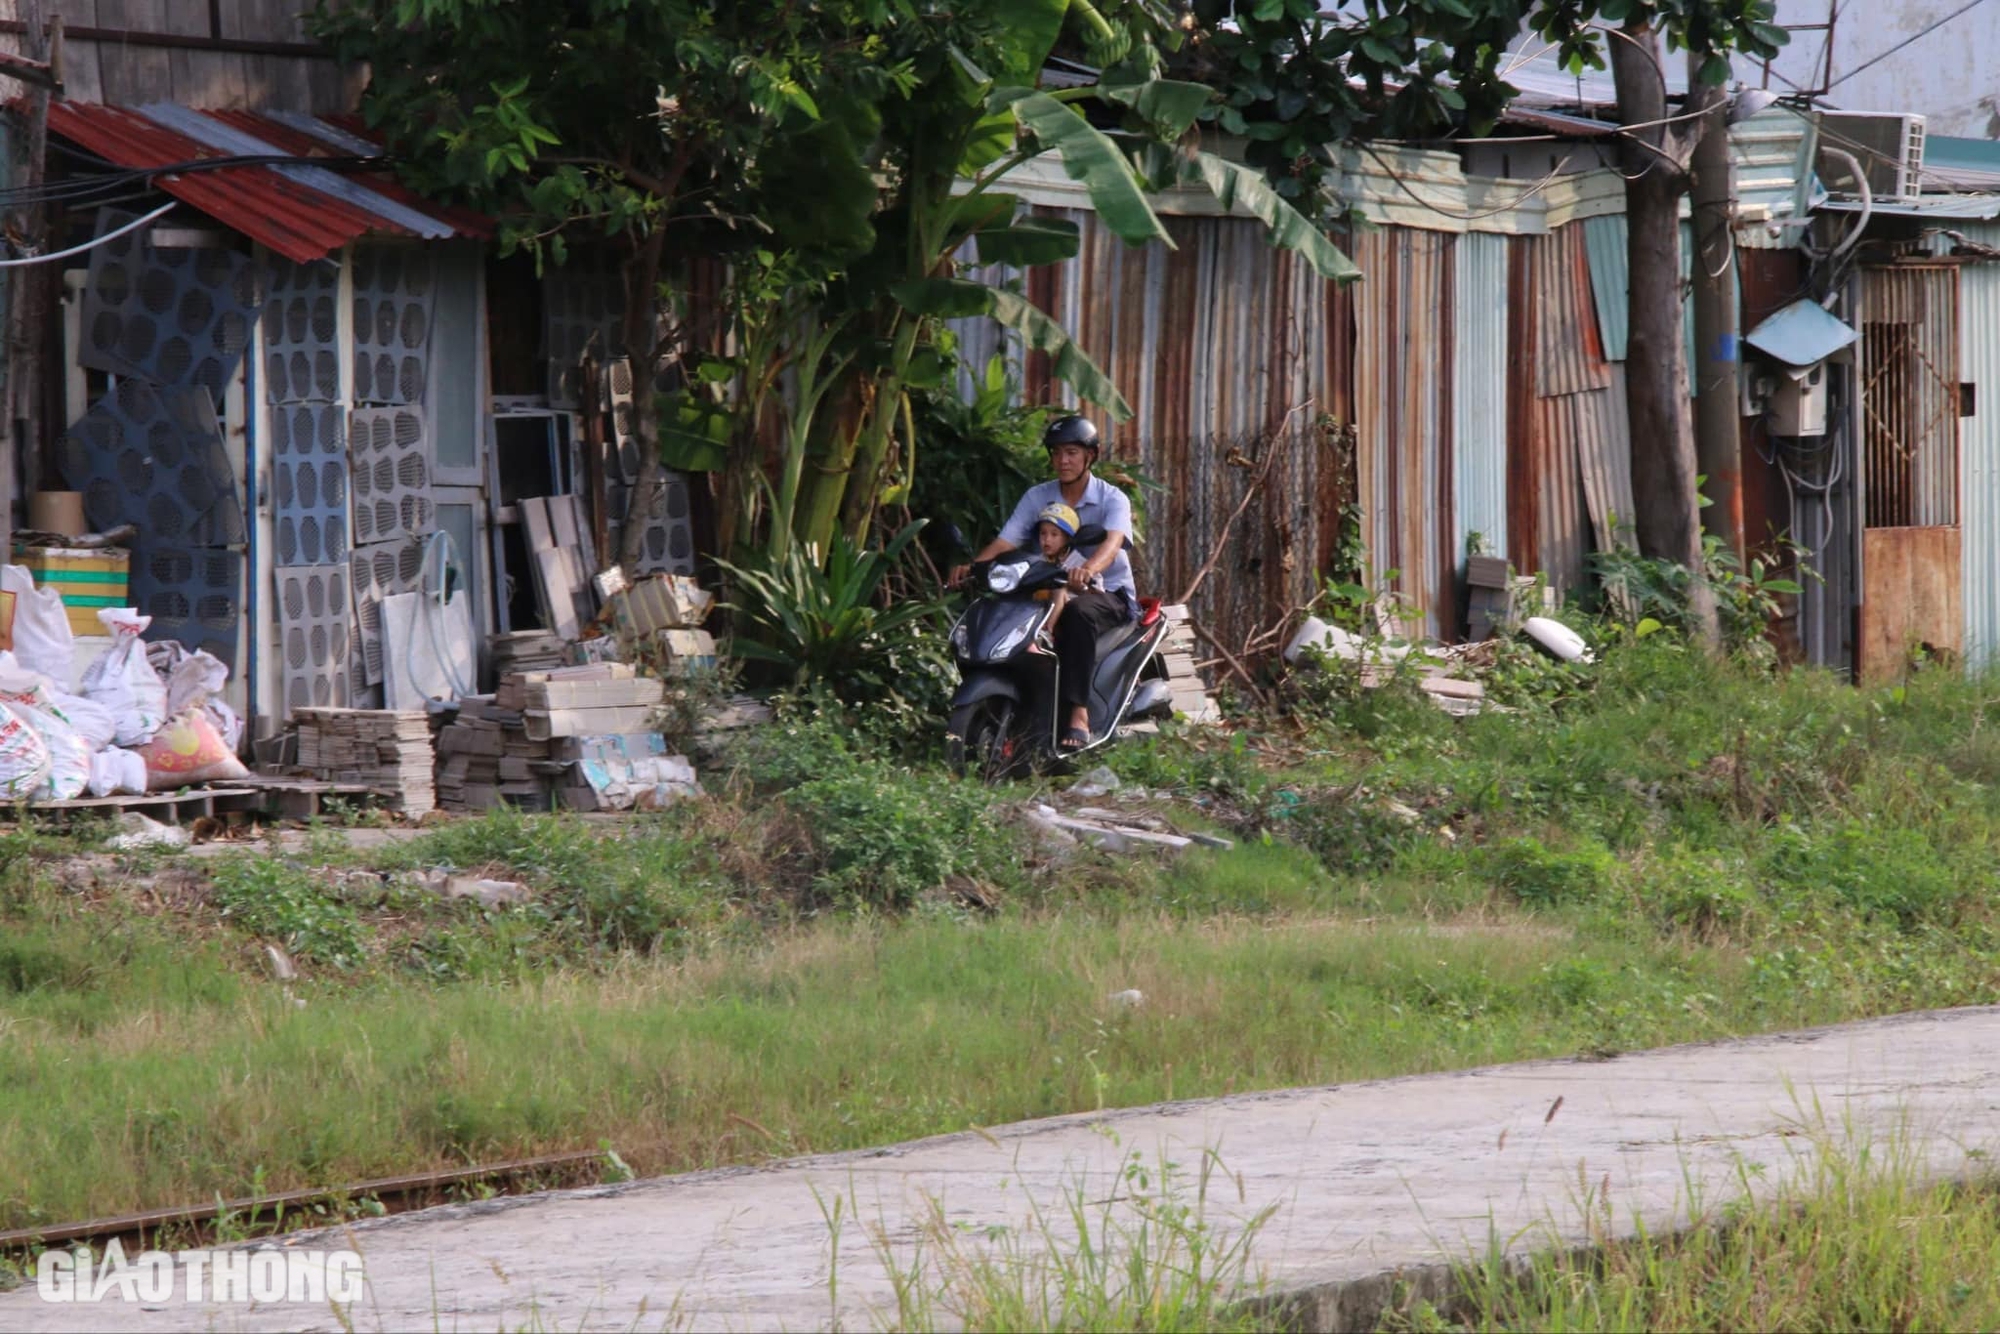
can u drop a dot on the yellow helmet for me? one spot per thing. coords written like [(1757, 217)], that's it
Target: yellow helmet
[(1062, 516)]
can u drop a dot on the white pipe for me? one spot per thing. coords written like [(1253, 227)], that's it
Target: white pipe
[(1841, 251), (93, 243)]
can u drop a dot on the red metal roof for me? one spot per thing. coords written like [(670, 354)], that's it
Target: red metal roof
[(290, 216)]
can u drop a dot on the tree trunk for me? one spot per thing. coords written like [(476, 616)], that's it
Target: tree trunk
[(1668, 517), (1718, 443), (642, 345)]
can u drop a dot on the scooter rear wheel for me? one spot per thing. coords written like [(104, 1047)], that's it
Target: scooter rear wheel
[(979, 739)]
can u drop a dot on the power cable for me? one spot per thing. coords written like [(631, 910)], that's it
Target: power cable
[(1509, 207), (1915, 36)]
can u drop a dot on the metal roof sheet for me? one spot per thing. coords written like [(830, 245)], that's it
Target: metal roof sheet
[(302, 213), (1801, 334)]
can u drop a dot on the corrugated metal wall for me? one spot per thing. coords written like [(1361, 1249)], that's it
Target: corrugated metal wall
[(1979, 445), (1402, 381), (1581, 456), (1479, 393), (1909, 369), (1214, 343), (1470, 368)]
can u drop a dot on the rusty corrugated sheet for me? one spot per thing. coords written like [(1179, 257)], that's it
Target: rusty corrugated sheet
[(1212, 343), (291, 217), (1524, 418), (1603, 437), (1572, 381), (1402, 370), (1570, 357), (1909, 393), (1564, 520)]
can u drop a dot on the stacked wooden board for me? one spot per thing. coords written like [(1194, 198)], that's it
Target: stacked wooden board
[(527, 651), (602, 699), (1190, 696), (560, 546), (485, 758), (389, 750)]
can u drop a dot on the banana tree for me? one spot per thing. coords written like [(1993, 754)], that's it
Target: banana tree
[(948, 150)]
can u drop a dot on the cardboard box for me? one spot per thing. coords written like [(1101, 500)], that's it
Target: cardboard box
[(686, 650), (595, 694), (88, 580), (662, 602), (544, 724)]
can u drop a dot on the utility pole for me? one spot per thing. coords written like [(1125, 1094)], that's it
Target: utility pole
[(1717, 426), (27, 288)]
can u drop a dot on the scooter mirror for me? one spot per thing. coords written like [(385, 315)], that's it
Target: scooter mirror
[(1089, 535), (954, 537)]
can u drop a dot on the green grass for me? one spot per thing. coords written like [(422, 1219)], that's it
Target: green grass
[(1670, 851), (1847, 1242)]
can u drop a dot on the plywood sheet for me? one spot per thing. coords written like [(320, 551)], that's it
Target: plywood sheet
[(1910, 598)]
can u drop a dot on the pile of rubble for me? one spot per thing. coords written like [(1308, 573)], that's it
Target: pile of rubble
[(583, 733), (1446, 673)]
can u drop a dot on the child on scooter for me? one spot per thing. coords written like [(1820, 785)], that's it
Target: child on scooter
[(1054, 527)]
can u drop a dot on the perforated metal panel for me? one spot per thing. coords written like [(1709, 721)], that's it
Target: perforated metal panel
[(380, 571), (394, 290), (309, 483), (192, 595), (618, 394), (170, 315), (390, 461), (302, 334), (316, 611), (580, 300), (153, 457), (669, 544)]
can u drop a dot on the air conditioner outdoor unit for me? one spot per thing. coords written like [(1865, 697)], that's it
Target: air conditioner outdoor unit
[(1889, 146)]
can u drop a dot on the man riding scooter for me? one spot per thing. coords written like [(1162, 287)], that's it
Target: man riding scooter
[(1072, 443)]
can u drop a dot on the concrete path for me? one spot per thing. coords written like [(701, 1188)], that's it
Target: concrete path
[(1362, 1180)]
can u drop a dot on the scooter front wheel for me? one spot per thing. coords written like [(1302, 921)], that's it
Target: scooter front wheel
[(979, 739)]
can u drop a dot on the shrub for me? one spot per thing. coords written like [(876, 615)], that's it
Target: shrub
[(1351, 833), (884, 838), (813, 617), (276, 901), (1544, 876), (1698, 894), (1880, 871)]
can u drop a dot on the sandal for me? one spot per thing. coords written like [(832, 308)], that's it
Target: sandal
[(1043, 645), (1073, 738)]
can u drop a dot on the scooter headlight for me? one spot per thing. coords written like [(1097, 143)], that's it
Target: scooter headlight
[(1005, 578), (1008, 643)]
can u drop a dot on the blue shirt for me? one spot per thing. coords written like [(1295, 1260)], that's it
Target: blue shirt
[(1104, 505)]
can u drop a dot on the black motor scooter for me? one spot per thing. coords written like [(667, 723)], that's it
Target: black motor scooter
[(1004, 717)]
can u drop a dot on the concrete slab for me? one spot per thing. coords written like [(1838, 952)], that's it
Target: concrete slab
[(1361, 1180)]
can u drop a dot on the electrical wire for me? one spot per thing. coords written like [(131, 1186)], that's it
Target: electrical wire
[(1919, 35), (1509, 207), (440, 558), (94, 242), (68, 188)]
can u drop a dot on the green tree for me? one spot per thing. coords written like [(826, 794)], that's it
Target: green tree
[(973, 115), (666, 128), (852, 147)]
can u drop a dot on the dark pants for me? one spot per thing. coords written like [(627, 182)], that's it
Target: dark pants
[(1088, 615)]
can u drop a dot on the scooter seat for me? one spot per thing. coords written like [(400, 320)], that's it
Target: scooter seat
[(1118, 636)]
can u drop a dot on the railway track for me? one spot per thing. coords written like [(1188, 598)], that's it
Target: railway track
[(262, 1215)]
